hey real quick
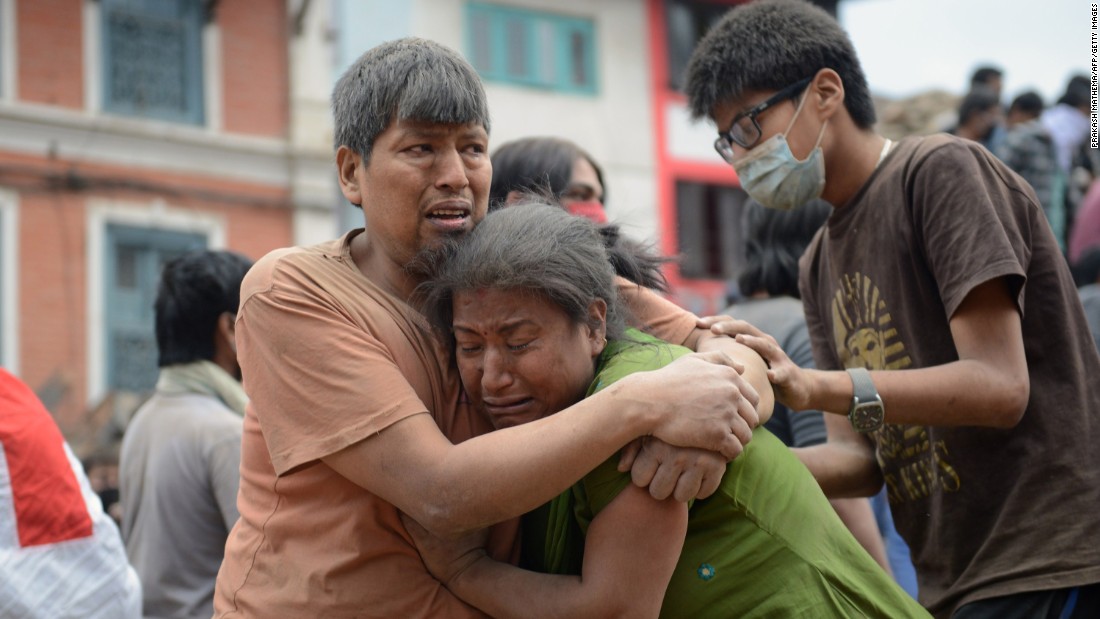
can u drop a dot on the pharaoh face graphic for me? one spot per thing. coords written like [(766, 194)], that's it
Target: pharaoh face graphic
[(863, 329)]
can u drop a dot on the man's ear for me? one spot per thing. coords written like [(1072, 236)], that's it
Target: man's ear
[(827, 91), (348, 163), (597, 326), (227, 330)]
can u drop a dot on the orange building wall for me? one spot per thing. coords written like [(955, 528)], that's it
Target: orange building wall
[(53, 256), (50, 52), (254, 70)]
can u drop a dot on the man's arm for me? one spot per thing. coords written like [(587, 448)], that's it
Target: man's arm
[(630, 553), (694, 401), (845, 465), (987, 386)]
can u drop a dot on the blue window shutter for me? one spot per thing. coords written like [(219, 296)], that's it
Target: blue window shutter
[(532, 48), (134, 259), (152, 59)]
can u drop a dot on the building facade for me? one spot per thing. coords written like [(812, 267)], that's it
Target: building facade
[(606, 74), (132, 131)]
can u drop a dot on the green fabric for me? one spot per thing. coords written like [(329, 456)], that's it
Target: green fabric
[(766, 544)]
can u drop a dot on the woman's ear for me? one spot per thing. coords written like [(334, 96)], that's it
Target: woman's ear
[(347, 165), (828, 93), (597, 326)]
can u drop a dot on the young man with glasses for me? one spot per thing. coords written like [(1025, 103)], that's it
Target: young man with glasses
[(938, 285)]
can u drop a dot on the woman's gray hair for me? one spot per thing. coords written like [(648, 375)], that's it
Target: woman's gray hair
[(409, 78), (531, 248)]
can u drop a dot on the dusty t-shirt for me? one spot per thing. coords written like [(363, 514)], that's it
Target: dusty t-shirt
[(330, 359), (986, 512)]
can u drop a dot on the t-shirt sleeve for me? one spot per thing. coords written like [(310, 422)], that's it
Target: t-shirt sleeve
[(654, 314), (317, 381), (970, 220)]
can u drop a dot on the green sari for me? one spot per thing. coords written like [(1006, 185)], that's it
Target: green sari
[(766, 544)]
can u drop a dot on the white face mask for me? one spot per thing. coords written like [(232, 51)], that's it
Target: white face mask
[(772, 175)]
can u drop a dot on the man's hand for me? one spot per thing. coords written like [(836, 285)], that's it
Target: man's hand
[(447, 559), (792, 384), (699, 400), (681, 472)]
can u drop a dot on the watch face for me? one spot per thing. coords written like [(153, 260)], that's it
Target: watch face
[(867, 417)]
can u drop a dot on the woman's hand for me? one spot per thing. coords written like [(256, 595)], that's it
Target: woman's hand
[(447, 559), (792, 384)]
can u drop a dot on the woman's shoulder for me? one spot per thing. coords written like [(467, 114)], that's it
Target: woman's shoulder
[(635, 351)]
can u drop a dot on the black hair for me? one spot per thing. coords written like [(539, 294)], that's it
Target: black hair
[(195, 289), (985, 74), (776, 240), (1029, 103), (1078, 92), (768, 45), (976, 101), (536, 165)]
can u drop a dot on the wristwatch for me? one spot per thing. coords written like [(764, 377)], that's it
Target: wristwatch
[(866, 411)]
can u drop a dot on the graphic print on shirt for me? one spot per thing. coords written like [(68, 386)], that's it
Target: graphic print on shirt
[(912, 465)]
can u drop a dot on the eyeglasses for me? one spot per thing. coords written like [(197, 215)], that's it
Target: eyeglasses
[(745, 131)]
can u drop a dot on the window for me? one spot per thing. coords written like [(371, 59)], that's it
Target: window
[(532, 48), (711, 232), (688, 21), (152, 59), (134, 259)]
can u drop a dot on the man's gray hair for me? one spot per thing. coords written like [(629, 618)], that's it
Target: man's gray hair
[(411, 79)]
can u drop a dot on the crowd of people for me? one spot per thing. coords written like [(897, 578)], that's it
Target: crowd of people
[(479, 403)]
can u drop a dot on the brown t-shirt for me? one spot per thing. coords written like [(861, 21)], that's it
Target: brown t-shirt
[(330, 359), (986, 512)]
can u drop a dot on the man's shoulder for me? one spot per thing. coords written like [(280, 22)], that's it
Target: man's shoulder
[(285, 263), (184, 414)]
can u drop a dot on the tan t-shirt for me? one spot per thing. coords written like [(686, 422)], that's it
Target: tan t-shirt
[(330, 359)]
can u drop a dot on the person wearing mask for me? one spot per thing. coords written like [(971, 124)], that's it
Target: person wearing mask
[(946, 329), (554, 167)]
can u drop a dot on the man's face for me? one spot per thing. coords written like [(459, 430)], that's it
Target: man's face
[(425, 181), (802, 135)]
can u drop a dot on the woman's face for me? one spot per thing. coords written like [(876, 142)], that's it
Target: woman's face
[(584, 194), (520, 356)]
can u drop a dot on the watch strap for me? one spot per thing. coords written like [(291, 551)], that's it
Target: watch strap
[(863, 388)]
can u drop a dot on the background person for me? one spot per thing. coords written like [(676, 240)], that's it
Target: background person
[(549, 166), (1029, 150), (769, 283), (181, 453), (533, 288), (61, 556)]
